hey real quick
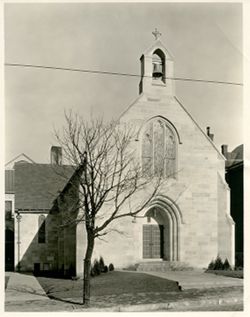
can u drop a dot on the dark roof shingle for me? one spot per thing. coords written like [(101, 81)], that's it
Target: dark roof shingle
[(37, 185), (235, 157), (9, 181)]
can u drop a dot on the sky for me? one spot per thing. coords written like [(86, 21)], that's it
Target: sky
[(205, 41)]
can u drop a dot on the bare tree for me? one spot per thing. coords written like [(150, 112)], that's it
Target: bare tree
[(112, 183)]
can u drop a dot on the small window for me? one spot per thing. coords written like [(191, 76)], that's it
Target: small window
[(36, 268), (46, 266), (41, 229)]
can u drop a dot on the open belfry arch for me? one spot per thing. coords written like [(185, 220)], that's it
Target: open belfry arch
[(156, 67)]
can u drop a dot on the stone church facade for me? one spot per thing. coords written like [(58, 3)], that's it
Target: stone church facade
[(188, 222)]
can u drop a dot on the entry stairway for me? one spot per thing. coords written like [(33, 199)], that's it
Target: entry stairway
[(163, 266)]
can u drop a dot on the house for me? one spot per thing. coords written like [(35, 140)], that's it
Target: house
[(187, 223), (10, 208), (42, 243), (234, 177)]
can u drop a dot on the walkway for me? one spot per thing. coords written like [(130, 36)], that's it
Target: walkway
[(24, 293), (198, 279), (23, 287)]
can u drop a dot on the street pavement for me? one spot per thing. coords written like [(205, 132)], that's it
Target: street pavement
[(24, 293)]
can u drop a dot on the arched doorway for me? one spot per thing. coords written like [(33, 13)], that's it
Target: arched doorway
[(161, 233)]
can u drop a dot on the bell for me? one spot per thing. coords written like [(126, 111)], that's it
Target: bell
[(157, 70)]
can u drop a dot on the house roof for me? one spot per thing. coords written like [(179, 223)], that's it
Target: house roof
[(235, 157), (9, 182), (21, 157), (37, 185)]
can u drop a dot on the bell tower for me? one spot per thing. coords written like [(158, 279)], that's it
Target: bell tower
[(157, 69)]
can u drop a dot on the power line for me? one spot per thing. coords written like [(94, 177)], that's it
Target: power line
[(117, 73)]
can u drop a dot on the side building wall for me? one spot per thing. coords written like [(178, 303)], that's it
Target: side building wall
[(30, 255), (226, 224), (68, 206)]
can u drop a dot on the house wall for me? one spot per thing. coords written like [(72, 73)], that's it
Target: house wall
[(28, 250), (68, 211), (234, 178), (226, 225), (58, 253)]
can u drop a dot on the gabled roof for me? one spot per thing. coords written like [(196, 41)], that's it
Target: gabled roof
[(235, 157), (154, 46), (9, 182), (20, 157), (198, 126), (37, 185)]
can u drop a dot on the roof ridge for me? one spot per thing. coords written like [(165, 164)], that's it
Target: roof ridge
[(18, 157), (198, 126)]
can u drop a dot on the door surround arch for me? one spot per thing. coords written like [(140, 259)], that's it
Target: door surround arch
[(169, 211)]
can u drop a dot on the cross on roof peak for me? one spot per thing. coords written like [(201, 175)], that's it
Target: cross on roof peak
[(156, 34)]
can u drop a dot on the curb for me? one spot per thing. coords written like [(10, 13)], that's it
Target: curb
[(166, 306)]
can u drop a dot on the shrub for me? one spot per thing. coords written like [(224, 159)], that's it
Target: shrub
[(239, 261), (101, 264), (95, 269), (226, 265), (105, 269), (218, 264), (92, 272), (111, 267), (211, 265)]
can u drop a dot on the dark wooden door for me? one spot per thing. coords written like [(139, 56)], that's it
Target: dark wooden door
[(152, 241), (9, 250)]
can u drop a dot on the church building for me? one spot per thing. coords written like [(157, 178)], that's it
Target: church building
[(187, 224)]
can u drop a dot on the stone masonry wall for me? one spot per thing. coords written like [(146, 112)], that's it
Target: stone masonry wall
[(31, 251), (194, 188)]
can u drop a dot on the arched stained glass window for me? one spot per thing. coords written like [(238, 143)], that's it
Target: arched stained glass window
[(159, 149)]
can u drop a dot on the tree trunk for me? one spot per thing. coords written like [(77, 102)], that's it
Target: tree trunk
[(87, 267)]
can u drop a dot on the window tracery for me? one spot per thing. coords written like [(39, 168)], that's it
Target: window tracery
[(158, 149)]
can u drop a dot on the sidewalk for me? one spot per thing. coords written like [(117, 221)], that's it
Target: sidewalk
[(22, 287), (198, 279), (24, 293)]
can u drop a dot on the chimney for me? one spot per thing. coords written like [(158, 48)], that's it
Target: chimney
[(211, 136), (56, 155), (208, 131), (224, 150)]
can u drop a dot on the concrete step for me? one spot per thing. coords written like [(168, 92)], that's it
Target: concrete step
[(163, 266)]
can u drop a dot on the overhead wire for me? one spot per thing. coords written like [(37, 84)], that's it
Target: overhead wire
[(118, 73)]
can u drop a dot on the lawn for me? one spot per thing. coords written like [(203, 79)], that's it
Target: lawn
[(111, 283), (236, 274), (129, 288)]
